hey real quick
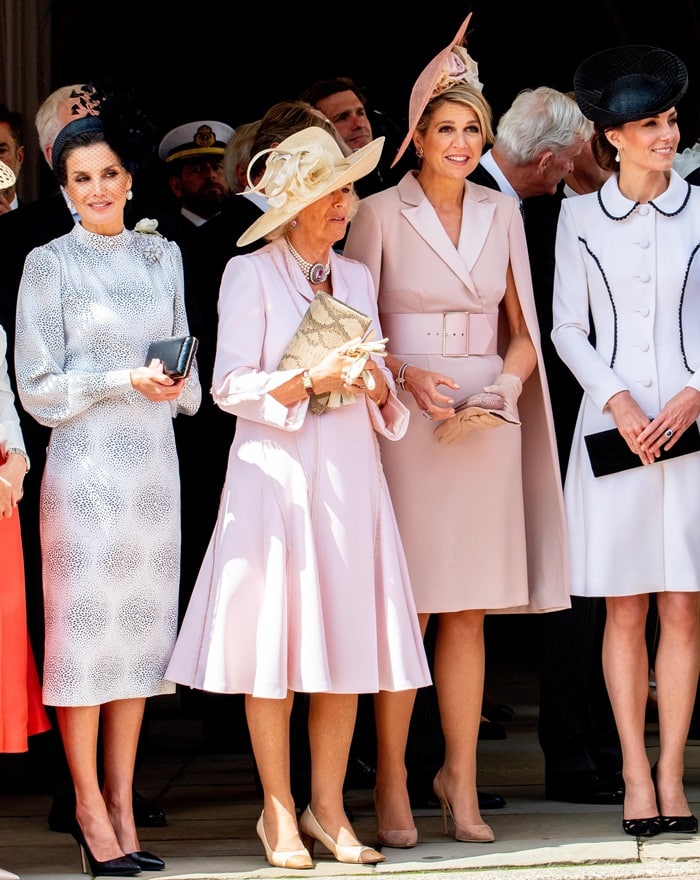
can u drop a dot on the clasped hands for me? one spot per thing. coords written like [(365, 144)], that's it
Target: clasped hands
[(360, 350), (507, 386)]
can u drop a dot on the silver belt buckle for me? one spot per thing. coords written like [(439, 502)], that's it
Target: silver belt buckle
[(465, 353)]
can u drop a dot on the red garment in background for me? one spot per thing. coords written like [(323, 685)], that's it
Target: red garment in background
[(22, 713)]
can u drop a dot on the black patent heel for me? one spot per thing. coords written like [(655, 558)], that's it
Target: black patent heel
[(122, 866)]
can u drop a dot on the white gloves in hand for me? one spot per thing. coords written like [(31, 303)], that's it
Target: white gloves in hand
[(510, 388), (506, 386), (452, 429)]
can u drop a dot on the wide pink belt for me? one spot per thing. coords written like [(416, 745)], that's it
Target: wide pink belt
[(451, 334)]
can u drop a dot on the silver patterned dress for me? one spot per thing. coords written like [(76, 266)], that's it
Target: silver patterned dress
[(110, 505)]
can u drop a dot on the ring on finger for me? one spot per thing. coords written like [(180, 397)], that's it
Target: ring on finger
[(669, 432), (426, 413)]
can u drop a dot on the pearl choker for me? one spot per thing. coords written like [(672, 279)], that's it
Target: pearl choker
[(316, 273)]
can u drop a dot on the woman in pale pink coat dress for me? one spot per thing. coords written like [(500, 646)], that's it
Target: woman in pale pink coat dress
[(478, 499), (304, 586)]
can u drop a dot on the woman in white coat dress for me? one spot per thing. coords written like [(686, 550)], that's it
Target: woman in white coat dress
[(304, 586), (628, 255)]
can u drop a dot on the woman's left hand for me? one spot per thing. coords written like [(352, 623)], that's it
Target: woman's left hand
[(152, 382), (675, 417), (374, 385)]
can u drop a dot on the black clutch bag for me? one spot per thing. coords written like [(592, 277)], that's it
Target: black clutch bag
[(609, 453), (176, 355)]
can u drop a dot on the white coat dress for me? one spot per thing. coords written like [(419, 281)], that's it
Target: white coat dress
[(637, 268), (304, 585)]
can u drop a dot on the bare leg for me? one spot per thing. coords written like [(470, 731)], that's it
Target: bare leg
[(459, 680), (268, 724), (331, 725), (626, 668), (392, 714), (79, 726), (121, 723), (677, 664), (392, 711)]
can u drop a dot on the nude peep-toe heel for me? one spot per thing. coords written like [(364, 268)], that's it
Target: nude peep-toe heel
[(404, 838), (295, 859), (481, 833), (355, 854)]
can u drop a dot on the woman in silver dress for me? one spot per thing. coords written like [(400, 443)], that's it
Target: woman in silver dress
[(90, 302)]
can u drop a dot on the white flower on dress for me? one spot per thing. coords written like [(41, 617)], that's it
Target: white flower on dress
[(152, 251), (148, 226)]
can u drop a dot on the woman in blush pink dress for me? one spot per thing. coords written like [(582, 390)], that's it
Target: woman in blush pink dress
[(478, 497), (304, 587)]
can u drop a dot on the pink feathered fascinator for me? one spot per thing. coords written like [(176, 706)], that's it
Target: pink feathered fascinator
[(450, 66)]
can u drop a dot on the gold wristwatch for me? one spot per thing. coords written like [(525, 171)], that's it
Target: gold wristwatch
[(306, 381)]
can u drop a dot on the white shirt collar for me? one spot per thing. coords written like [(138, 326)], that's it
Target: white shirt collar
[(256, 198), (193, 218), (490, 165)]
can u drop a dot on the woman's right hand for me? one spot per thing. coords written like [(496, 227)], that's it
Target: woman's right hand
[(631, 420), (152, 382)]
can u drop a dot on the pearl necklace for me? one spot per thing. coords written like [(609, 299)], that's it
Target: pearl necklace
[(316, 273)]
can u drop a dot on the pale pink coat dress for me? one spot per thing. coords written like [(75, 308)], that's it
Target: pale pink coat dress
[(304, 586), (482, 519)]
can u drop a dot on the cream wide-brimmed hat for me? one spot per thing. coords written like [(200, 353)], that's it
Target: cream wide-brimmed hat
[(302, 169), (450, 66), (7, 176)]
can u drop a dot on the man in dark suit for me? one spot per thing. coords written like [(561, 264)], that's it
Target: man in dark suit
[(577, 732)]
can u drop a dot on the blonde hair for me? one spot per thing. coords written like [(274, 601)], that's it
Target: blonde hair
[(237, 154), (469, 96)]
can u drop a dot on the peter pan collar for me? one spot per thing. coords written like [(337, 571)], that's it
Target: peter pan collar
[(618, 207)]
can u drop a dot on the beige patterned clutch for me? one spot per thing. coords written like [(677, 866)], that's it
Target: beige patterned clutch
[(327, 323)]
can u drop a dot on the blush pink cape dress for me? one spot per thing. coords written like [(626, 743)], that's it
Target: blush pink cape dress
[(482, 519)]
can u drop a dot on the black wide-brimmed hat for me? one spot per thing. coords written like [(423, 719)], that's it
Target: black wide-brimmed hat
[(628, 83)]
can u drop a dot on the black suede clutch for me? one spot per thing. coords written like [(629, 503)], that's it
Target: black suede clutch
[(176, 355), (609, 453)]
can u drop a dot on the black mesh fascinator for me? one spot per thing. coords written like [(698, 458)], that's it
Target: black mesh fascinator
[(629, 83), (104, 105)]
